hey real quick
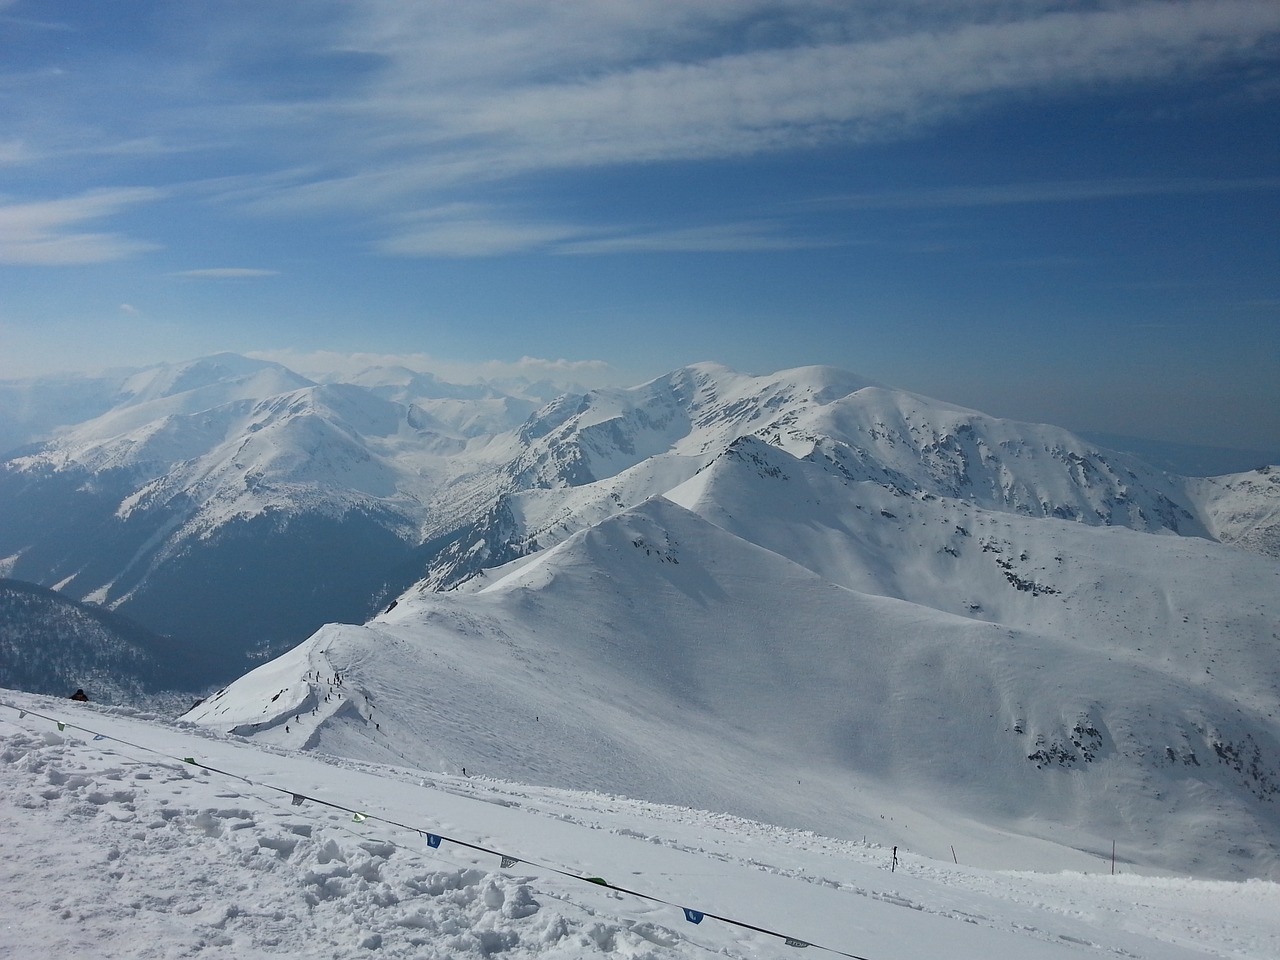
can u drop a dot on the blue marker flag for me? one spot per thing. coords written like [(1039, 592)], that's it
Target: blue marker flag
[(432, 840), (693, 916)]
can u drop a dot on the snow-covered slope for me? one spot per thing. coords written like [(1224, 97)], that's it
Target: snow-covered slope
[(660, 655), (1242, 509), (121, 849)]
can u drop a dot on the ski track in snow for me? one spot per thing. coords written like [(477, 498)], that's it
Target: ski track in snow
[(115, 849)]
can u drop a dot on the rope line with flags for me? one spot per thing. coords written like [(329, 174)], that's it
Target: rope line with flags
[(434, 839)]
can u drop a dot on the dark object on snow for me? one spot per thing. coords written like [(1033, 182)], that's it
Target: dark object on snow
[(80, 695)]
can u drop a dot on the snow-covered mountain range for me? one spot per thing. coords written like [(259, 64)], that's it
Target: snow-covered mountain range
[(238, 506), (235, 504), (802, 597)]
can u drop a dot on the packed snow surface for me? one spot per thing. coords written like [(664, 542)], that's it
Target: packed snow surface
[(116, 847)]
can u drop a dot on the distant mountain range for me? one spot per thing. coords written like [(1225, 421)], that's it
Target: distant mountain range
[(236, 506), (777, 639), (703, 589)]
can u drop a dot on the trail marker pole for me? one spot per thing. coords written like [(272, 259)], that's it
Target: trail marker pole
[(1113, 858)]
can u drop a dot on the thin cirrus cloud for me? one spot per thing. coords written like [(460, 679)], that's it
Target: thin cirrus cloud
[(462, 231), (733, 104), (226, 273), (610, 87), (472, 237), (717, 238), (435, 103), (46, 232), (1065, 191)]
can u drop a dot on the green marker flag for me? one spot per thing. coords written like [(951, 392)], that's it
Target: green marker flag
[(359, 817), (597, 880), (61, 726)]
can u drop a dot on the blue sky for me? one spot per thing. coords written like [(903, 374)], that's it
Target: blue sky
[(1059, 211)]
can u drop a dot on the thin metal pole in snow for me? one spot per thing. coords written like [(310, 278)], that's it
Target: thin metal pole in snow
[(1113, 858), (953, 854)]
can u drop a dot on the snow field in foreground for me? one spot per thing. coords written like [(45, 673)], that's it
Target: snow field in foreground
[(113, 850)]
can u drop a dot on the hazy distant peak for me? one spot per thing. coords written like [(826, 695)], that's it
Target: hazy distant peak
[(167, 380), (384, 376), (407, 386)]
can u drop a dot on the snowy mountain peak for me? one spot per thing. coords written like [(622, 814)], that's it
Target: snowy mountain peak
[(167, 380)]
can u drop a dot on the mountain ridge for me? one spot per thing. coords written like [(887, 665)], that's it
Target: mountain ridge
[(657, 655), (204, 459), (700, 590)]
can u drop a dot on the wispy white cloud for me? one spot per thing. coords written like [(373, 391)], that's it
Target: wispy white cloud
[(435, 235), (44, 232), (226, 273), (1065, 191), (717, 238), (29, 23), (14, 151), (517, 104), (476, 230), (470, 96), (381, 105), (785, 98)]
